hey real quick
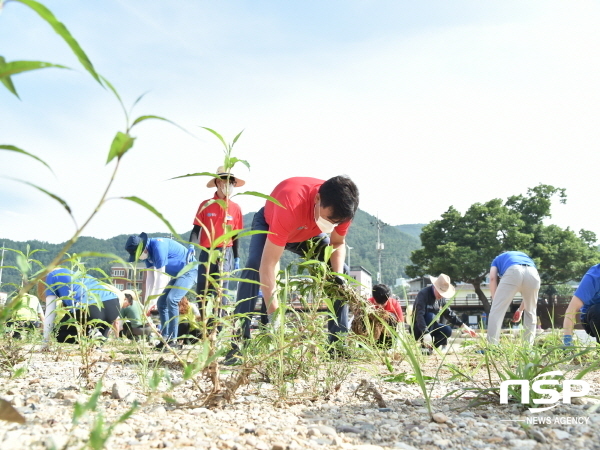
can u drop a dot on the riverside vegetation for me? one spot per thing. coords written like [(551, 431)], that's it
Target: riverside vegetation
[(288, 392)]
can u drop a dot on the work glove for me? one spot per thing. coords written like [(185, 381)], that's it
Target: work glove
[(339, 280), (236, 263), (568, 340), (427, 340), (517, 316)]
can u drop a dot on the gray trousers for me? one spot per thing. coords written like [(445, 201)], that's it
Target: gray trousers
[(517, 278)]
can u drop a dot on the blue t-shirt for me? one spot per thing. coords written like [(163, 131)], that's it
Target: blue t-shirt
[(589, 288), (507, 259), (60, 283), (164, 252), (96, 291)]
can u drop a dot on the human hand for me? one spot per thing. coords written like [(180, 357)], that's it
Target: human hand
[(339, 280), (517, 316), (236, 263), (427, 340), (471, 332)]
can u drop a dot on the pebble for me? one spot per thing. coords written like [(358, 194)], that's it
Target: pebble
[(260, 419)]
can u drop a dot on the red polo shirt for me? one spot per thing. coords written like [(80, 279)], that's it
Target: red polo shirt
[(213, 218), (295, 222), (392, 306)]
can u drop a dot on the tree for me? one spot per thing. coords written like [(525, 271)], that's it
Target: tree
[(463, 246)]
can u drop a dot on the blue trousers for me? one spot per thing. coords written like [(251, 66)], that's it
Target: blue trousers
[(439, 332), (168, 303), (247, 292)]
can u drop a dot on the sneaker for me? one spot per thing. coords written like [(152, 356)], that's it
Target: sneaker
[(233, 357)]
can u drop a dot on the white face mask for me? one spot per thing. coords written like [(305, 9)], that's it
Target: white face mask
[(144, 255), (324, 225), (226, 188)]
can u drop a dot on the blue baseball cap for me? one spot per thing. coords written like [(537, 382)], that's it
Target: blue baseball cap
[(133, 243)]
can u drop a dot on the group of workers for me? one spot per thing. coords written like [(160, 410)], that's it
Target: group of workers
[(307, 213)]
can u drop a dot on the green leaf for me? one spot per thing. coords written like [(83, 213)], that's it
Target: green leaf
[(142, 118), (120, 145), (55, 197), (12, 148), (22, 264), (7, 81), (151, 208), (217, 135), (116, 94), (199, 174), (261, 195), (62, 31), (232, 161), (237, 137), (14, 67)]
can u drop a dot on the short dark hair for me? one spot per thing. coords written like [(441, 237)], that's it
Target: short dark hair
[(341, 194), (129, 298), (381, 293)]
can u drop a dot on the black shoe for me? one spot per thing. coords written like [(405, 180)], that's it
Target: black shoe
[(233, 357), (338, 352), (161, 347)]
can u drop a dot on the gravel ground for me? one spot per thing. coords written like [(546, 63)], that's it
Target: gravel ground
[(349, 419)]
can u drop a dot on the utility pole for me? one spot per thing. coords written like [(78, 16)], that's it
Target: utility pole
[(2, 263), (349, 248), (379, 247)]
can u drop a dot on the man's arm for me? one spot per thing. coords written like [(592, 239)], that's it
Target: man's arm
[(570, 315), (339, 255), (493, 280), (268, 264), (195, 234)]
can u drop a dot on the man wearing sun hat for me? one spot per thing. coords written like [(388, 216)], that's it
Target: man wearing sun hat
[(429, 302), (167, 257), (513, 272), (215, 217)]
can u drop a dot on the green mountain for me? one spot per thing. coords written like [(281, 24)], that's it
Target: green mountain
[(413, 229), (362, 237)]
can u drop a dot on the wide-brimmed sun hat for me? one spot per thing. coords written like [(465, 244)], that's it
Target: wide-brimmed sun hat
[(132, 244), (223, 174), (443, 286)]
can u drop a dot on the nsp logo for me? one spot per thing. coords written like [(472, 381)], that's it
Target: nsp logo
[(553, 396)]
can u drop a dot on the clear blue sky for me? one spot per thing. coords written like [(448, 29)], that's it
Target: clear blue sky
[(424, 104)]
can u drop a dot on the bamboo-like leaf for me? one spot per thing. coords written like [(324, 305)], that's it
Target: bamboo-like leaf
[(142, 118), (12, 148), (153, 210), (55, 197), (217, 135), (120, 145), (261, 195), (63, 32), (233, 161), (199, 174), (8, 69), (9, 413), (22, 264), (237, 137), (6, 81), (116, 94)]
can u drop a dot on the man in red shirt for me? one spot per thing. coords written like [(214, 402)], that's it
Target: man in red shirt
[(311, 210), (211, 222), (382, 298)]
